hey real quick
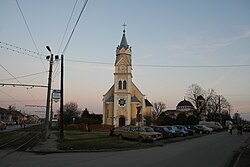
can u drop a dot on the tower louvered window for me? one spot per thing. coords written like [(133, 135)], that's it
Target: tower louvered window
[(124, 85), (120, 85)]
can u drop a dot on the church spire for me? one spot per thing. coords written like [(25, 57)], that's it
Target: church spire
[(124, 43)]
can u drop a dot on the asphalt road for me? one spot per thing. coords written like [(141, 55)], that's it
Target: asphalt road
[(214, 150)]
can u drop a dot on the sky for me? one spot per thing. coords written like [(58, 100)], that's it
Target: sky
[(174, 44)]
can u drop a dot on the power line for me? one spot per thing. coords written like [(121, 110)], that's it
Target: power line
[(10, 96), (26, 50), (17, 81), (24, 76), (138, 65), (84, 5), (24, 85), (26, 25), (29, 30), (67, 26), (163, 66), (20, 52)]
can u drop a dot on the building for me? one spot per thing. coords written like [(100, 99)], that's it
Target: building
[(10, 116), (123, 100), (187, 108), (183, 107)]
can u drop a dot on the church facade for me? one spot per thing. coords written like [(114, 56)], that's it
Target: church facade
[(124, 104)]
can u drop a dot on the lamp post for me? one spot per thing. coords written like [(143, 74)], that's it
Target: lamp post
[(50, 58), (61, 101), (138, 116)]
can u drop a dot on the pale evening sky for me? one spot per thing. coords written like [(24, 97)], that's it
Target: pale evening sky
[(167, 35)]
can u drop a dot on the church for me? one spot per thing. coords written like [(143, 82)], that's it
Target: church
[(124, 104)]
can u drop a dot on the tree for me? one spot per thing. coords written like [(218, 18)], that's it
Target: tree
[(88, 118), (193, 92), (70, 112), (182, 119), (158, 109), (192, 120), (149, 119), (215, 106)]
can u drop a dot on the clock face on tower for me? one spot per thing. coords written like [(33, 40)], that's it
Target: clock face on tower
[(123, 68), (122, 102)]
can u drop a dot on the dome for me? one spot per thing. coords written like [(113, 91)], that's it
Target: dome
[(185, 103), (184, 106)]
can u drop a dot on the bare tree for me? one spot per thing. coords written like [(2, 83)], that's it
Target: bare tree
[(193, 92), (70, 111), (216, 104), (158, 108)]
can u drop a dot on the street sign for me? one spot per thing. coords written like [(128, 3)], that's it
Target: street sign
[(56, 94), (139, 117)]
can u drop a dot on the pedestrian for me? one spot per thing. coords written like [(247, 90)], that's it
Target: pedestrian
[(230, 129), (240, 129), (111, 131)]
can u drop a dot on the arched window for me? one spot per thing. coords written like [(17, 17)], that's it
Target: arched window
[(120, 85), (124, 85)]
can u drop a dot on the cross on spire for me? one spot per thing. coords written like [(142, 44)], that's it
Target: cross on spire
[(124, 25)]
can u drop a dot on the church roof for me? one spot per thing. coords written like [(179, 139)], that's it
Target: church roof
[(134, 99), (110, 100), (124, 43), (148, 103)]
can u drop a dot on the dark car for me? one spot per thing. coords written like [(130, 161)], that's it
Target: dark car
[(182, 130), (163, 130), (191, 131), (2, 125), (203, 129), (173, 130), (246, 128)]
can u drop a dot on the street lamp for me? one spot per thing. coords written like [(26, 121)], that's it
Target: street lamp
[(138, 115), (50, 58)]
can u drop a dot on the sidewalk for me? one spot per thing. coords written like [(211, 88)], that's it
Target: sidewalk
[(48, 146), (243, 159)]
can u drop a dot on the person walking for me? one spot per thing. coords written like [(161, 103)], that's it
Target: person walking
[(230, 129)]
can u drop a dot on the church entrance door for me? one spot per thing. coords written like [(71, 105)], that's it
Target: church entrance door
[(121, 121)]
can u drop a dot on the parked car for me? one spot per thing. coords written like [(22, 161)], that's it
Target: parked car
[(142, 134), (204, 129), (163, 130), (173, 130), (246, 128), (216, 126), (191, 131), (3, 125), (182, 130)]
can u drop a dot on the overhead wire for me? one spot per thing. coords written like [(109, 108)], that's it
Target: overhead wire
[(20, 52), (106, 63), (19, 7), (163, 66), (67, 26), (17, 81), (24, 76), (66, 46)]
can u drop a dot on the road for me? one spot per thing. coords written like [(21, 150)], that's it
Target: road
[(214, 150)]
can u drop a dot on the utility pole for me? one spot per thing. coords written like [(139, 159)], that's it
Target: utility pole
[(61, 101), (51, 110), (50, 58)]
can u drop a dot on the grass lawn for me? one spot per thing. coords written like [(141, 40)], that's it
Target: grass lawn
[(77, 140)]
